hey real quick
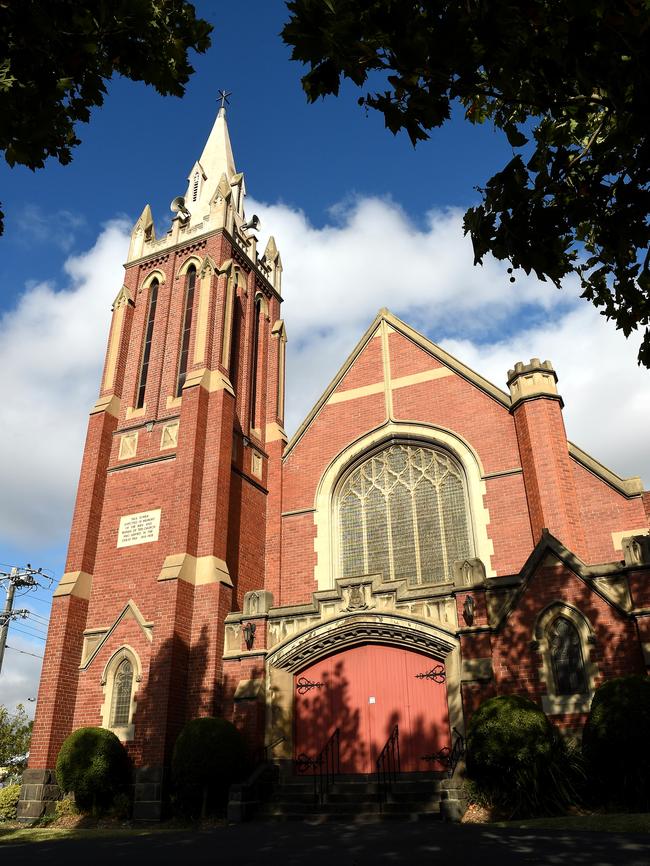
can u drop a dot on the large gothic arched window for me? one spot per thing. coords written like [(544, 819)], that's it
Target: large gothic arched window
[(404, 513)]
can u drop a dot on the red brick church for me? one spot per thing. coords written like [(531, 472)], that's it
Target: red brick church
[(424, 541)]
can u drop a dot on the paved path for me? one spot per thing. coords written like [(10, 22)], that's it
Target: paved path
[(343, 845)]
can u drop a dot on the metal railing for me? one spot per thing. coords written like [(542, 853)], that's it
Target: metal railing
[(325, 767), (449, 757), (388, 766), (263, 754)]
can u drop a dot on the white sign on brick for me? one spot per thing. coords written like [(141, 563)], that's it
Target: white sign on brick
[(138, 528)]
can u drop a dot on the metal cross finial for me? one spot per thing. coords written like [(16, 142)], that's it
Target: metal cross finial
[(223, 97)]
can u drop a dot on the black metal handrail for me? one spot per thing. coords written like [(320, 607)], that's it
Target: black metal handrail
[(447, 757), (268, 748), (263, 754), (388, 766), (325, 767)]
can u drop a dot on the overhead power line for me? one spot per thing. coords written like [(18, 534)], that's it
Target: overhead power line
[(27, 578), (22, 652), (30, 634)]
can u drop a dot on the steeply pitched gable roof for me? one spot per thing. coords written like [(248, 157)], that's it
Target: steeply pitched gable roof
[(627, 486)]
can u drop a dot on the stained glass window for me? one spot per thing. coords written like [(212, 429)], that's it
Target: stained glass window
[(566, 658), (404, 513), (121, 698)]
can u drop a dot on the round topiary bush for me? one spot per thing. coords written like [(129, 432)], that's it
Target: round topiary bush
[(209, 755), (517, 761), (615, 743), (93, 765)]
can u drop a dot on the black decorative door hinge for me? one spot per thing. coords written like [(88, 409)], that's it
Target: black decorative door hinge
[(303, 685), (437, 674)]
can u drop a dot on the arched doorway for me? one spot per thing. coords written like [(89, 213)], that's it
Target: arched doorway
[(410, 666), (365, 691)]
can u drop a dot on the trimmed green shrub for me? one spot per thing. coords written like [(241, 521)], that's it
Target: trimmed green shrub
[(517, 761), (66, 808), (209, 755), (615, 743), (93, 765), (9, 797)]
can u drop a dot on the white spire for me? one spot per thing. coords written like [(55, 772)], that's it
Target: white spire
[(216, 160)]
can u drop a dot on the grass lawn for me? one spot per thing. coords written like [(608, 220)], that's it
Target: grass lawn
[(21, 835), (608, 823)]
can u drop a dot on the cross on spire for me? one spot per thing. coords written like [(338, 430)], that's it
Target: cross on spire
[(223, 97)]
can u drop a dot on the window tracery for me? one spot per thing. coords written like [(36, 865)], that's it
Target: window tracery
[(121, 698), (119, 680), (564, 639), (566, 658), (404, 513)]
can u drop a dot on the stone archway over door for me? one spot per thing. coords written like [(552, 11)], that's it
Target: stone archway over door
[(365, 691)]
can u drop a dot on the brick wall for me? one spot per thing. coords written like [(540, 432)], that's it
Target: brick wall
[(208, 509)]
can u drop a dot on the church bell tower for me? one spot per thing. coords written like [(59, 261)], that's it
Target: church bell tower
[(173, 521)]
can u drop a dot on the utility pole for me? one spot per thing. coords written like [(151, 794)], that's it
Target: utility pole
[(17, 578)]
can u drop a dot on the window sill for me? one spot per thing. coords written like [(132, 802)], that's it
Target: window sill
[(560, 705), (125, 734)]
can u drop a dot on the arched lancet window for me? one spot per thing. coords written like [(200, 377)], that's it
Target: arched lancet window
[(195, 186), (121, 697), (566, 658), (404, 513), (257, 311), (233, 360), (190, 282), (146, 351)]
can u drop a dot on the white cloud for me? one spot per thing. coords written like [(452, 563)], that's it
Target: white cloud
[(21, 671), (606, 394), (52, 348), (370, 255), (34, 225)]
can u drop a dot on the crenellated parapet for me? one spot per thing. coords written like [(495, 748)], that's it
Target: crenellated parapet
[(535, 379)]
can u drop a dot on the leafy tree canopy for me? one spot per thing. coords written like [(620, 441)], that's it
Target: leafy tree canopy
[(569, 85), (56, 57), (15, 734)]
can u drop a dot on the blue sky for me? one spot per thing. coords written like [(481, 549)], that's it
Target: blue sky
[(362, 220)]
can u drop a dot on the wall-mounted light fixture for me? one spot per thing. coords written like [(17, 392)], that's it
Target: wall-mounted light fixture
[(469, 608), (248, 631)]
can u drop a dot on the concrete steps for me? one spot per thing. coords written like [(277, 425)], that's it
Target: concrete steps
[(350, 799)]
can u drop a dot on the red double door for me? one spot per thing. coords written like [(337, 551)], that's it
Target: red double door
[(364, 692)]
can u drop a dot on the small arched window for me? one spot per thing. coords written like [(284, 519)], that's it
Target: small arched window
[(190, 282), (404, 513), (566, 658), (121, 697), (146, 351)]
